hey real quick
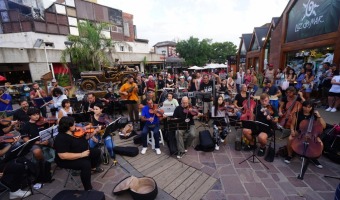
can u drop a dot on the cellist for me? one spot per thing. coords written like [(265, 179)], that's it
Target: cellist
[(289, 104), (265, 117), (305, 113)]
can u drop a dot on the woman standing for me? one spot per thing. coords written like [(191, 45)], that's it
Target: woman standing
[(300, 78), (308, 84), (334, 93), (239, 79), (291, 77), (73, 152), (253, 82), (247, 77)]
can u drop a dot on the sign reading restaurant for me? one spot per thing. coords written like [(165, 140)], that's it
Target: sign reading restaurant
[(310, 18)]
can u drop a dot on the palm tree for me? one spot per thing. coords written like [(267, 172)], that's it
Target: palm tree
[(88, 49)]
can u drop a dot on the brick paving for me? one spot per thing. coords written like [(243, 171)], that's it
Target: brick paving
[(234, 181)]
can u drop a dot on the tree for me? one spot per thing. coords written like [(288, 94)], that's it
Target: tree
[(199, 53), (220, 51), (88, 49), (193, 51)]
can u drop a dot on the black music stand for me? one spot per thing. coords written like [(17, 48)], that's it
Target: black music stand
[(176, 124), (113, 126), (41, 101), (21, 151), (81, 117), (256, 127)]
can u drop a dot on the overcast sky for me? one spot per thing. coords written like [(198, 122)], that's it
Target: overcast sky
[(219, 20)]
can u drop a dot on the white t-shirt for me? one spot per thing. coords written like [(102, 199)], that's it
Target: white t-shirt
[(173, 102), (335, 88)]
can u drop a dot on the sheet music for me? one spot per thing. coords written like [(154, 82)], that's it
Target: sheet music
[(25, 143), (219, 112), (46, 134)]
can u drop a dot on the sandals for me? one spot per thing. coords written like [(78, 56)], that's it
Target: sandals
[(97, 170)]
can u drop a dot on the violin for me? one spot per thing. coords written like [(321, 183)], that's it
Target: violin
[(193, 111), (80, 130), (291, 108), (307, 143), (7, 138), (248, 109), (49, 120), (156, 111), (267, 110)]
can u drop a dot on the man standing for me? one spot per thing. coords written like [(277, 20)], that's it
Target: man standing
[(54, 85), (5, 100), (37, 92), (130, 91), (151, 84)]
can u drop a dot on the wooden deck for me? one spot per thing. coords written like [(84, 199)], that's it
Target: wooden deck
[(174, 177)]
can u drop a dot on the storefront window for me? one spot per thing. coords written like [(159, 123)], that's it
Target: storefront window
[(317, 56)]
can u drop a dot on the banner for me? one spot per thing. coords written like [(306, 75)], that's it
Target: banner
[(310, 18)]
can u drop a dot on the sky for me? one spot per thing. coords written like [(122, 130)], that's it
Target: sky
[(219, 20)]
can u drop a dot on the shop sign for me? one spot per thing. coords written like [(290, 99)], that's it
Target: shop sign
[(310, 18)]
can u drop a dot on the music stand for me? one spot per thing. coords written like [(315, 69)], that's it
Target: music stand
[(80, 117), (48, 133), (41, 101), (21, 151), (256, 127), (113, 126), (175, 124)]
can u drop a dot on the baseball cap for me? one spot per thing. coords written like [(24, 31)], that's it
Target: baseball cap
[(181, 77), (270, 65), (53, 80)]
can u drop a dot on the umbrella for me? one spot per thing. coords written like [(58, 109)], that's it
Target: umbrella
[(211, 66), (196, 68), (2, 78), (222, 66)]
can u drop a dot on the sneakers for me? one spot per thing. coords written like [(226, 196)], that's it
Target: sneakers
[(217, 147), (19, 194), (316, 163), (287, 159), (143, 150), (158, 151), (186, 150), (222, 140), (249, 147), (261, 152), (328, 109), (180, 155), (333, 110)]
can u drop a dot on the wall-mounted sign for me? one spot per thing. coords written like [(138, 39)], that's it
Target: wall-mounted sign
[(310, 18)]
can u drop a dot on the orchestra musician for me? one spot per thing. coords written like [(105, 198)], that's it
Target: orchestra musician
[(101, 119), (58, 97), (132, 95), (273, 92), (74, 153), (170, 100), (31, 130), (54, 83), (305, 113), (21, 114), (240, 98), (152, 123), (220, 107), (37, 92), (266, 114), (90, 102), (287, 106), (65, 109), (5, 100), (184, 113), (13, 171), (110, 105)]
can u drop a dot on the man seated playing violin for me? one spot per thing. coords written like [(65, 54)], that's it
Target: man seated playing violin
[(266, 114), (183, 112), (151, 118), (31, 130)]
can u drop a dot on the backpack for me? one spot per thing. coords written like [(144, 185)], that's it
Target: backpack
[(170, 137), (207, 143)]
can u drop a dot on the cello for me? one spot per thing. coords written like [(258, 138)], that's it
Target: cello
[(291, 108), (248, 109), (307, 143)]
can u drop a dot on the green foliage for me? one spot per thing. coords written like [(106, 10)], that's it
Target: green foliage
[(196, 52), (88, 49)]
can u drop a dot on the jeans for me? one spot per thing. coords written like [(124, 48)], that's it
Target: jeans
[(108, 143), (145, 133)]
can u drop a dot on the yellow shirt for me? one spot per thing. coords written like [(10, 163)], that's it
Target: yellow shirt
[(133, 95)]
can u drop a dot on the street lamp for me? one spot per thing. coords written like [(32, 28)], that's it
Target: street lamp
[(38, 44), (163, 52)]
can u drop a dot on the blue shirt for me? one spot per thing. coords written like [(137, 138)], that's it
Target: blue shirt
[(4, 106), (147, 114)]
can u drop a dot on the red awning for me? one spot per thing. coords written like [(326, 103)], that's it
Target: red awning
[(2, 78)]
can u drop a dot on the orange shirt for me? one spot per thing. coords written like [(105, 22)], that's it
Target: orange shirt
[(134, 94)]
